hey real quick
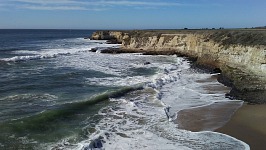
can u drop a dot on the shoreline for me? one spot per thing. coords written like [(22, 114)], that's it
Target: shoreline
[(248, 125), (251, 96), (238, 54), (207, 117), (245, 123)]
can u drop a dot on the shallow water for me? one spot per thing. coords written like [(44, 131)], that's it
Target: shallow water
[(55, 94)]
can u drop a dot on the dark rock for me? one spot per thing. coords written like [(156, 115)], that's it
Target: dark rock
[(113, 41), (225, 80), (102, 49), (167, 112), (97, 143), (147, 63), (94, 49), (252, 97), (110, 50), (244, 86), (216, 70)]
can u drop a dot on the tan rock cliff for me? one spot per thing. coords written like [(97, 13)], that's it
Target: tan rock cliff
[(244, 62)]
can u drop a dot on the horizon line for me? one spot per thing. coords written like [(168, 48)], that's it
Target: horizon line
[(210, 28)]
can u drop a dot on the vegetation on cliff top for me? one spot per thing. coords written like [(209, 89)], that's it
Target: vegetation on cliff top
[(247, 37), (225, 37)]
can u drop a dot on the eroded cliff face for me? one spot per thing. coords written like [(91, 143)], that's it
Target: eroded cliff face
[(244, 64), (246, 58), (116, 36)]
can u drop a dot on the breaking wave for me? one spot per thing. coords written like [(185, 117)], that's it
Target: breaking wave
[(53, 52), (44, 119)]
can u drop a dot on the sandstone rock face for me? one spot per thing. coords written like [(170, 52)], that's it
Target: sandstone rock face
[(108, 35), (250, 58), (244, 63)]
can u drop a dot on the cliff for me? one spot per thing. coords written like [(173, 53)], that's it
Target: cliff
[(239, 54), (111, 36)]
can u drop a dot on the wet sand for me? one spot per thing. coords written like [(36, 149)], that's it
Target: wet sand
[(207, 118), (248, 124)]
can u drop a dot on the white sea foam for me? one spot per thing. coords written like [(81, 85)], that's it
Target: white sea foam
[(28, 97), (25, 52), (138, 120), (52, 51), (136, 124)]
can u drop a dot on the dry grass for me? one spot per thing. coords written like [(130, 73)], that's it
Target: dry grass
[(247, 37)]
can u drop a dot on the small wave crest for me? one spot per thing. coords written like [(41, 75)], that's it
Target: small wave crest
[(138, 120), (141, 121), (24, 58), (24, 55), (44, 55), (42, 120), (29, 97)]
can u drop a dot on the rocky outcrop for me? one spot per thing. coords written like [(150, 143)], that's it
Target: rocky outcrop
[(113, 37), (240, 55)]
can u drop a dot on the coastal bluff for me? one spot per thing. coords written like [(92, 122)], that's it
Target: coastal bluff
[(239, 54)]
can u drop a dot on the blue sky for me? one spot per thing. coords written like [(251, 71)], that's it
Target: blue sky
[(131, 14)]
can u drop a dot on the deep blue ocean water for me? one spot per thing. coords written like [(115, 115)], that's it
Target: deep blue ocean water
[(28, 80), (56, 94)]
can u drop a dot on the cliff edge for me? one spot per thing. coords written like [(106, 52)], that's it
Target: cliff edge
[(239, 54)]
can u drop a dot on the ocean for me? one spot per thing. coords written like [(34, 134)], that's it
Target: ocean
[(56, 94)]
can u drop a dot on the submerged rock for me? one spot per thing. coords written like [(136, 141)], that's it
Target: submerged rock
[(147, 63), (104, 49), (94, 49), (95, 144)]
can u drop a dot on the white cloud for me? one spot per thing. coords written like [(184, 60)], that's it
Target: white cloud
[(138, 3), (48, 1), (33, 7), (88, 5)]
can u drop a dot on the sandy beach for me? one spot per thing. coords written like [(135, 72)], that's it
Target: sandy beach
[(247, 124), (207, 118)]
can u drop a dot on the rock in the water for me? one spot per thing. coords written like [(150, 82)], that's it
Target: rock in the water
[(147, 63), (110, 50), (94, 49), (95, 144)]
